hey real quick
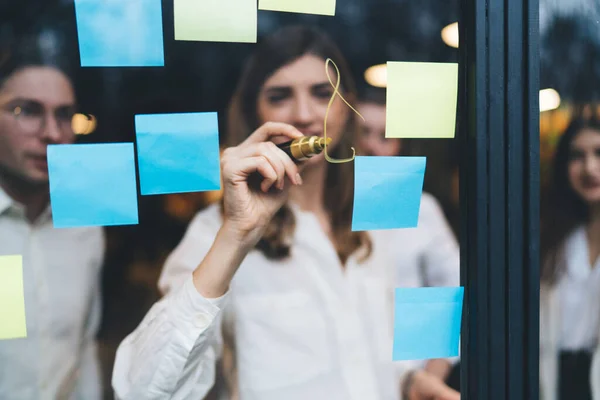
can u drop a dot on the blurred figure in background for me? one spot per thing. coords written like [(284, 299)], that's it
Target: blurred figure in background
[(570, 249), (61, 267), (441, 177), (371, 140), (310, 307), (429, 255)]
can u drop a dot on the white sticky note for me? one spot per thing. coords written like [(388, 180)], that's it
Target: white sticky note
[(421, 100), (216, 20), (320, 7)]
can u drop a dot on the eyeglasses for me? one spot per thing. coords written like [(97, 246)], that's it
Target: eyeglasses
[(31, 117)]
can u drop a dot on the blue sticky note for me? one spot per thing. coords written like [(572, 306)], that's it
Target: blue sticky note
[(178, 153), (387, 192), (427, 322), (92, 185), (120, 33)]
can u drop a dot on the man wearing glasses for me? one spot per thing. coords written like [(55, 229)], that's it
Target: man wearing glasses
[(61, 267)]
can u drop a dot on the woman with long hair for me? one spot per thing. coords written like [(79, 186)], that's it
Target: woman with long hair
[(570, 249), (308, 301)]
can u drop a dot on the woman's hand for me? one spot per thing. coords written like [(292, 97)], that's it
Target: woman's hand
[(248, 205), (439, 367), (426, 386), (254, 181)]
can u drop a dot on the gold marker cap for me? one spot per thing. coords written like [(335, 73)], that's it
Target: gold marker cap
[(307, 147)]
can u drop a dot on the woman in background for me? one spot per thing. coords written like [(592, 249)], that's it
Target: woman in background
[(429, 255), (570, 246), (309, 302)]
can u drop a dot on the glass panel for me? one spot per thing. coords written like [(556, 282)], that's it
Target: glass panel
[(570, 148), (88, 73)]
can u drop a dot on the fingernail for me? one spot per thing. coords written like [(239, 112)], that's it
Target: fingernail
[(298, 179)]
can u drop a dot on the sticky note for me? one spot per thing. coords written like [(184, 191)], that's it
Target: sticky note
[(178, 153), (321, 7), (120, 33), (92, 185), (427, 322), (421, 100), (387, 192), (12, 299), (216, 20)]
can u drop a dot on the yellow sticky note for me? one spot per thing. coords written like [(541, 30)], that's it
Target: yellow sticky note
[(216, 20), (12, 299), (421, 100), (321, 7)]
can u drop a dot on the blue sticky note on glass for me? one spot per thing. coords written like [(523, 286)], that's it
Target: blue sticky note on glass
[(92, 185), (120, 33), (178, 153), (387, 192), (427, 322)]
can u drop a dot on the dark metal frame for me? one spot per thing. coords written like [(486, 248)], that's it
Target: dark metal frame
[(499, 135)]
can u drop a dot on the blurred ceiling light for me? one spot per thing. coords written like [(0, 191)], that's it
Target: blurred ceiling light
[(450, 35), (83, 124), (377, 75), (549, 100)]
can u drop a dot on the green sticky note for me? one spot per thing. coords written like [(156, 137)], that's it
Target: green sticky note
[(12, 299), (216, 20), (321, 7), (421, 100)]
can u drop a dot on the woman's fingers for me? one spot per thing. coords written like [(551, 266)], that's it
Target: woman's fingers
[(269, 151), (263, 159), (269, 173), (426, 386), (258, 147), (270, 129), (277, 156), (291, 169), (247, 166), (448, 394), (277, 161)]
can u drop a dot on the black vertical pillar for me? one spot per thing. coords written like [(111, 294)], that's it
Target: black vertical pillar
[(499, 134)]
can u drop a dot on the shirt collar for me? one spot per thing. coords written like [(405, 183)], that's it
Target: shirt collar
[(576, 253), (5, 201)]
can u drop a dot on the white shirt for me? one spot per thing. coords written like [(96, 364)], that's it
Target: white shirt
[(579, 291), (61, 268), (304, 327)]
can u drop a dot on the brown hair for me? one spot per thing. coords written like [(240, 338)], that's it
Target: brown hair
[(562, 209), (40, 44), (276, 50), (373, 95)]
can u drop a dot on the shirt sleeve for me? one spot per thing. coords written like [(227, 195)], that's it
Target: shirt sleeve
[(173, 352), (441, 257)]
